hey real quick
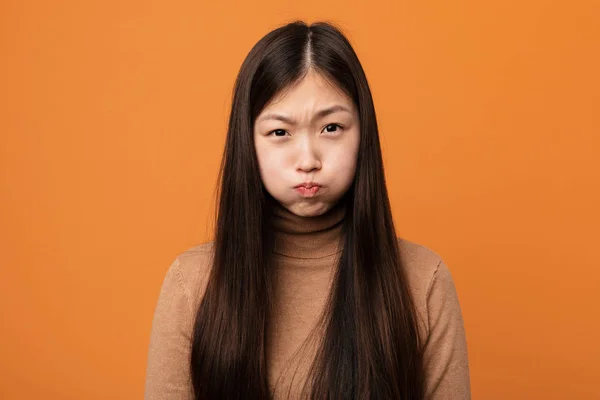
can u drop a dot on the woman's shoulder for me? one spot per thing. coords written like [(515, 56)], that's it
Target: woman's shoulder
[(420, 262), (428, 276), (196, 256), (193, 267)]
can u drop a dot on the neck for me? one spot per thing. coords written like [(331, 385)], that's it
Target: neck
[(308, 237)]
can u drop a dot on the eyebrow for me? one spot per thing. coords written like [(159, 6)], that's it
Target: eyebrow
[(320, 114)]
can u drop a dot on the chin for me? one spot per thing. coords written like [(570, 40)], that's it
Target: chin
[(309, 210)]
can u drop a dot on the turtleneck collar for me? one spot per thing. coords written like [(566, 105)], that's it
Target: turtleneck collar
[(308, 237)]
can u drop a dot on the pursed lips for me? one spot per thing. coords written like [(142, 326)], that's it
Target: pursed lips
[(307, 185)]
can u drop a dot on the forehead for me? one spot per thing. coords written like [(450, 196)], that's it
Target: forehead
[(311, 92)]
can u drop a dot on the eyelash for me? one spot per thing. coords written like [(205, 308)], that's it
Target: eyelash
[(334, 124)]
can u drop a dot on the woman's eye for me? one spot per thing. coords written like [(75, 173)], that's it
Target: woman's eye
[(278, 132), (332, 127)]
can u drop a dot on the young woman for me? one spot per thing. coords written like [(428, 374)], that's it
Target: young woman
[(306, 291)]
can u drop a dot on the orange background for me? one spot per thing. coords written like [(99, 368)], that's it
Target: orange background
[(112, 121)]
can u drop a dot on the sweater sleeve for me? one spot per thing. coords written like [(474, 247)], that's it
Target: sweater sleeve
[(167, 371), (445, 353)]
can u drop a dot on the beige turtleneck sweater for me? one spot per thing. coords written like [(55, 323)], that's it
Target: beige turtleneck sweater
[(306, 250)]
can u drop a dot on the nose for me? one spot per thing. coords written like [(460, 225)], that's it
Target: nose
[(308, 156)]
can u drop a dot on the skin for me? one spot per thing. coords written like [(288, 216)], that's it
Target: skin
[(309, 147)]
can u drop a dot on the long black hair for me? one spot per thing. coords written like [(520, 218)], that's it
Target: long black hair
[(370, 348)]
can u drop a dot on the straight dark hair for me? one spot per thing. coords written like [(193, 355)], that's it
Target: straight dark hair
[(370, 348)]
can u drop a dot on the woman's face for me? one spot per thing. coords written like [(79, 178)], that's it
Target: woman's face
[(308, 135)]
